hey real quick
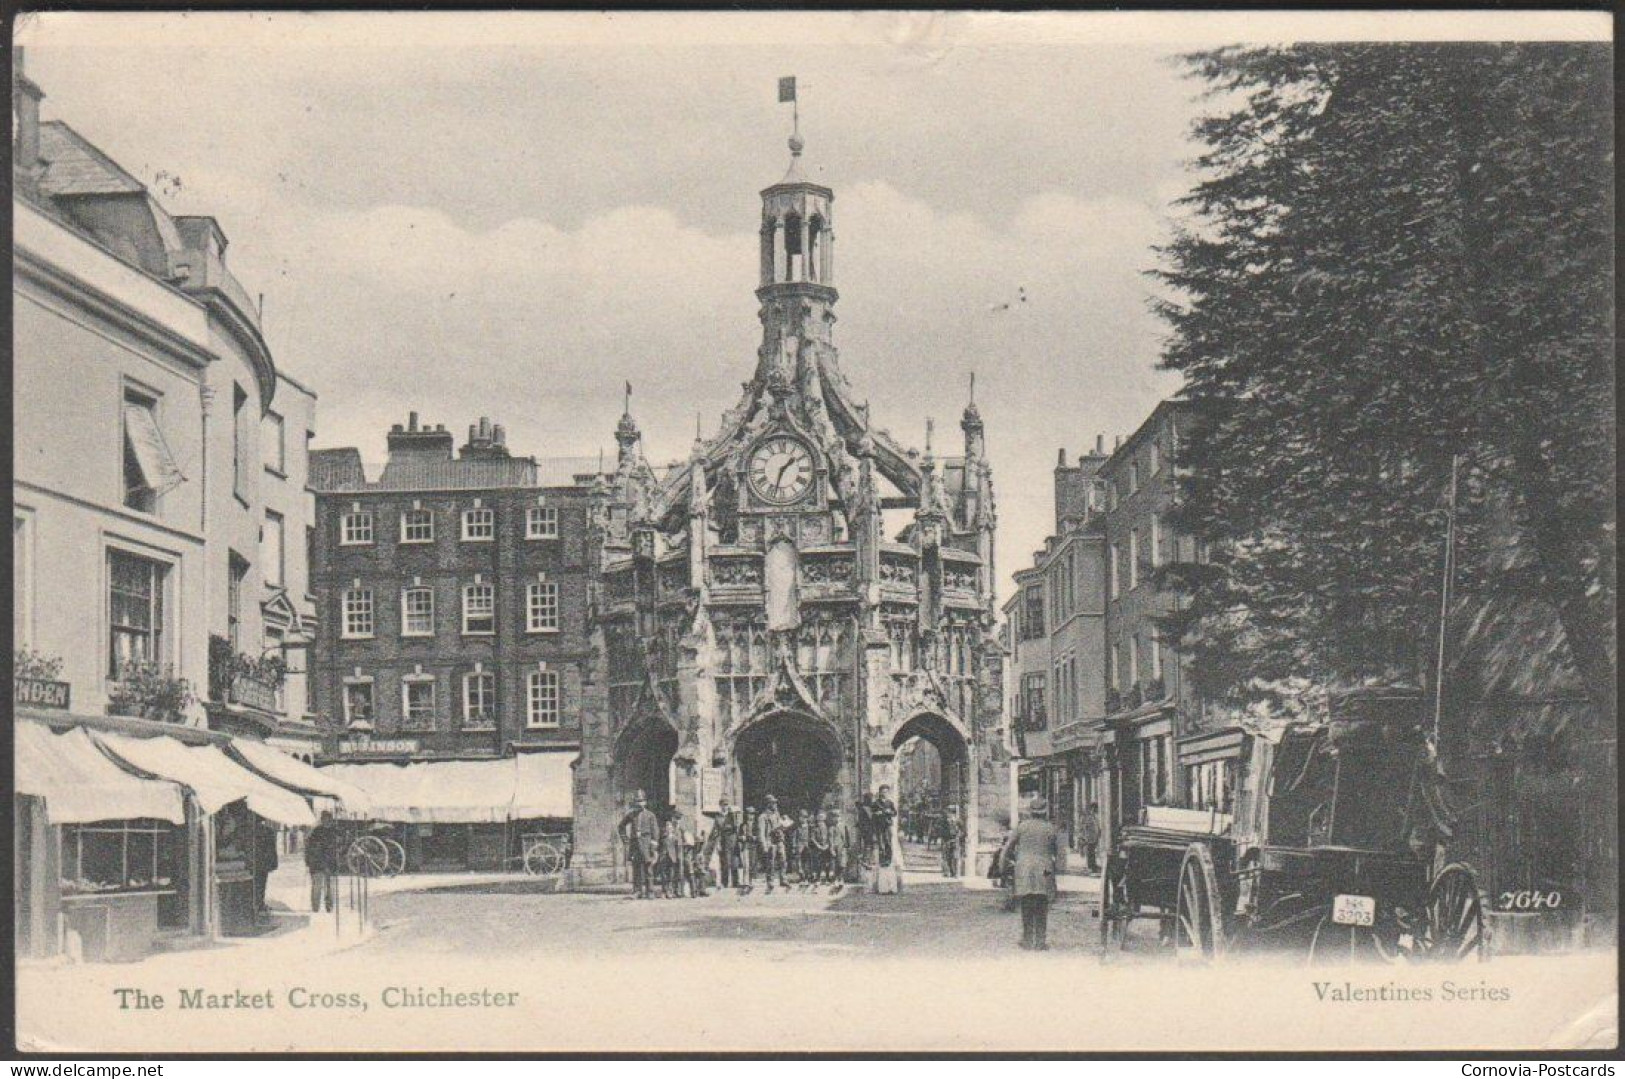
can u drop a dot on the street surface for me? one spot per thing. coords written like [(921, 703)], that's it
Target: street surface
[(930, 917), (495, 962)]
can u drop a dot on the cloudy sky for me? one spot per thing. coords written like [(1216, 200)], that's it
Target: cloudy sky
[(512, 215)]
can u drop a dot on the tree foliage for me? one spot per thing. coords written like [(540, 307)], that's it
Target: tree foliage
[(1398, 256)]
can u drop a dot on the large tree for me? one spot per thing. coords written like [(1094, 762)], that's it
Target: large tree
[(1398, 257)]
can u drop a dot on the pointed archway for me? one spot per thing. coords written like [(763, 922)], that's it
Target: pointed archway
[(795, 757), (642, 761), (934, 783)]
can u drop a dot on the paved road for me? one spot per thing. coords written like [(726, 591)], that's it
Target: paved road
[(929, 918)]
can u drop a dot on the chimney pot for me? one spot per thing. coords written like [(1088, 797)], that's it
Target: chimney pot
[(411, 421), (1100, 445), (1060, 458)]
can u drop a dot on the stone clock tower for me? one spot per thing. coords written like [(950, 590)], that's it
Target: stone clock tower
[(802, 598)]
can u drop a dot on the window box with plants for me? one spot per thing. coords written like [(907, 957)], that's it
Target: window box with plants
[(241, 679)]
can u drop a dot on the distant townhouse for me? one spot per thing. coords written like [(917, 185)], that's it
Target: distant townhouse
[(1174, 752), (1055, 621)]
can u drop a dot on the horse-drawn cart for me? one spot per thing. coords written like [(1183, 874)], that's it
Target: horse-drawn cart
[(1331, 847)]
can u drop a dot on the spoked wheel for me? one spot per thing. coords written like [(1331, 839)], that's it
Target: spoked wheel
[(1335, 945), (1454, 925), (1198, 921), (367, 856), (1115, 910), (397, 858), (543, 859)]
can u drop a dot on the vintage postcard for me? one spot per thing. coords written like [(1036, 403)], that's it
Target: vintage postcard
[(812, 531)]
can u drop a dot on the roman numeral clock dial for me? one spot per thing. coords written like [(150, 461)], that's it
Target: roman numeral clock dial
[(781, 470)]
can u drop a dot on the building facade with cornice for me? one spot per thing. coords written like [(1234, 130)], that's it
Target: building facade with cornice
[(784, 611)]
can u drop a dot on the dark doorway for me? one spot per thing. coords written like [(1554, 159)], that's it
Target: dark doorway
[(795, 759), (933, 775), (643, 762)]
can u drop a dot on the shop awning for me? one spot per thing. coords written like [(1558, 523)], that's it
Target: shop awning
[(465, 792), (80, 785), (212, 776), (544, 785), (296, 775)]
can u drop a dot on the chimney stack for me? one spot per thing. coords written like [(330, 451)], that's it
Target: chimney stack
[(486, 440), (26, 96), (420, 442)]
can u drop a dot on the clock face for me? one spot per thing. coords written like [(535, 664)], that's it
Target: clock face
[(781, 470)]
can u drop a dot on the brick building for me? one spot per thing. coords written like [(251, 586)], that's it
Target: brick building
[(455, 590)]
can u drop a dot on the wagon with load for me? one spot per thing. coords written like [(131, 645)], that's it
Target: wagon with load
[(1329, 844)]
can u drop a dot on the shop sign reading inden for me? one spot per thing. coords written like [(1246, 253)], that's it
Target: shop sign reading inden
[(40, 693)]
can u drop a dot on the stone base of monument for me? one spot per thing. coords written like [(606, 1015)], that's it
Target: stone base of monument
[(887, 880)]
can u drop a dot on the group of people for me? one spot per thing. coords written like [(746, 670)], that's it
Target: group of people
[(670, 857)]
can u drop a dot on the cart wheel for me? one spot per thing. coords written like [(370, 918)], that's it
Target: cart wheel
[(1337, 945), (543, 859), (1453, 927), (367, 856), (397, 858), (1115, 909), (1198, 921)]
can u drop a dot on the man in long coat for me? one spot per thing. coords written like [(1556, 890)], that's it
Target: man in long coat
[(640, 831), (1035, 847), (725, 840)]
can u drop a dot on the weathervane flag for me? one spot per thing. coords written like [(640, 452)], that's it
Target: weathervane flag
[(787, 89)]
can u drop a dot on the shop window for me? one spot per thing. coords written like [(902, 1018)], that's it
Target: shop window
[(479, 609), (479, 525), (479, 699), (542, 699), (542, 522), (118, 856), (541, 607), (355, 528), (135, 609), (417, 526), (417, 612)]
